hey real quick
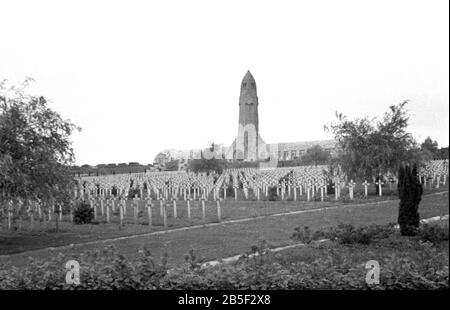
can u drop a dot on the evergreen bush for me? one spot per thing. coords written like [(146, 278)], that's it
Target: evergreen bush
[(410, 193), (83, 213), (272, 193)]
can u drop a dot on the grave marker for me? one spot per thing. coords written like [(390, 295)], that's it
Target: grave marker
[(379, 183), (174, 201), (219, 211), (149, 210), (203, 209), (365, 184), (351, 185), (188, 207)]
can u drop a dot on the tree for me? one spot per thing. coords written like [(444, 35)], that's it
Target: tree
[(371, 147), (207, 165), (410, 193), (315, 155), (430, 146), (442, 153), (171, 165), (35, 150)]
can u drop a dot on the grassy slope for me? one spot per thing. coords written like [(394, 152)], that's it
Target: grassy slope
[(231, 239)]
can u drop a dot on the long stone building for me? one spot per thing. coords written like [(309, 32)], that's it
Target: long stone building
[(248, 144)]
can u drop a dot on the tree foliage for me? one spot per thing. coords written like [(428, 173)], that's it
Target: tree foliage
[(35, 150), (443, 153), (207, 165), (430, 145), (371, 147), (171, 165), (431, 148), (315, 155)]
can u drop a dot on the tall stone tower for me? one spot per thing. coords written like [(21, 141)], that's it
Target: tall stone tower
[(248, 139)]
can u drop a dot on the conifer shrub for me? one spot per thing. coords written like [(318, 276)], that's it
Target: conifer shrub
[(410, 193), (230, 191), (83, 213), (133, 192), (272, 193)]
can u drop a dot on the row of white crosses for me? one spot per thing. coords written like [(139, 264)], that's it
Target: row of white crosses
[(106, 206), (308, 179), (184, 184), (339, 184), (178, 184), (33, 208), (434, 173), (260, 180), (311, 180), (166, 187)]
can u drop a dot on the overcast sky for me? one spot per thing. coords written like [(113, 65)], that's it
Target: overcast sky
[(143, 76)]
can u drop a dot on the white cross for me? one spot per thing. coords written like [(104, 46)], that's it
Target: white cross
[(379, 183), (351, 185), (365, 184)]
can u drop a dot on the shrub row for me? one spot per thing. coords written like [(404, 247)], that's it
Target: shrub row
[(348, 234), (331, 267)]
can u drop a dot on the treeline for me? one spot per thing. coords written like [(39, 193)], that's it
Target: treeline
[(102, 169), (432, 149), (314, 156)]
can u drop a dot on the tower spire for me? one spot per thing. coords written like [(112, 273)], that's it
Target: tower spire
[(246, 145), (248, 86)]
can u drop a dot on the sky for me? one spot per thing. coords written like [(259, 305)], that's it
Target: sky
[(142, 76)]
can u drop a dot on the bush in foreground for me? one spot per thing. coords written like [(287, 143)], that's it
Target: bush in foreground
[(405, 262), (345, 234), (433, 233)]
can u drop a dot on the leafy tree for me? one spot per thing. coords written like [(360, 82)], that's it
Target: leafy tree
[(315, 155), (443, 153), (207, 165), (371, 147), (171, 165), (430, 146), (35, 150)]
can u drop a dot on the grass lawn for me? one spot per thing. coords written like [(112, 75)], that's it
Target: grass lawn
[(44, 235), (218, 241)]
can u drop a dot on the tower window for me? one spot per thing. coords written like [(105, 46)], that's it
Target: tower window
[(253, 85), (244, 84)]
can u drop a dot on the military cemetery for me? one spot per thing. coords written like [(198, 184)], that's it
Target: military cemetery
[(104, 208), (348, 212)]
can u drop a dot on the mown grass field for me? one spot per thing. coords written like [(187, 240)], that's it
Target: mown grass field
[(44, 234), (217, 241)]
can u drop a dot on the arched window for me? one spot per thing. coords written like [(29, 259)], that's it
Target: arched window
[(244, 84)]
